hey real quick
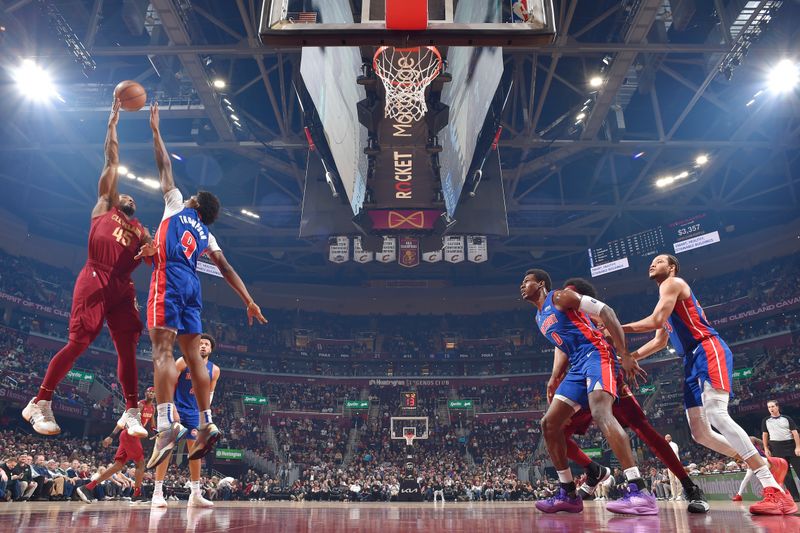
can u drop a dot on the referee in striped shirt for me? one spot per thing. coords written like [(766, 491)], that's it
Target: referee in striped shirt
[(782, 440)]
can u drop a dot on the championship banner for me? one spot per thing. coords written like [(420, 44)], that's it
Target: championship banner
[(477, 249), (389, 252), (359, 254), (339, 249), (432, 257), (454, 249), (409, 252)]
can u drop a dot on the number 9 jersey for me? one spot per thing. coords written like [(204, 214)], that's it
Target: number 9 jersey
[(175, 300)]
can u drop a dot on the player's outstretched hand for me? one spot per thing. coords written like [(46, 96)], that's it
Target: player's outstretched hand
[(154, 118), (113, 118), (146, 251), (254, 311), (106, 442), (633, 371)]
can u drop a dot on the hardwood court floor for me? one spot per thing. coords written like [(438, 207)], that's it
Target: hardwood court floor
[(236, 517)]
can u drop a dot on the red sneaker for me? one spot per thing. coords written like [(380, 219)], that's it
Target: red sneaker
[(772, 504), (779, 468), (737, 498), (788, 505)]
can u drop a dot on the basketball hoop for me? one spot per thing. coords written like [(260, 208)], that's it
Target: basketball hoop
[(409, 438), (406, 73)]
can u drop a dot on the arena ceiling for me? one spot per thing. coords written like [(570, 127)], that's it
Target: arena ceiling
[(682, 81)]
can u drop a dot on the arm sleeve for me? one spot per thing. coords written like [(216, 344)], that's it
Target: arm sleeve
[(173, 203), (212, 244), (792, 425)]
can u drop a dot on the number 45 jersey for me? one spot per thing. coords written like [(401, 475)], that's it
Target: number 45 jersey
[(114, 241), (175, 301)]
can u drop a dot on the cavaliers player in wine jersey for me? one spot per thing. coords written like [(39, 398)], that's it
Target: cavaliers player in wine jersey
[(103, 291), (175, 302), (629, 414), (707, 373), (147, 408)]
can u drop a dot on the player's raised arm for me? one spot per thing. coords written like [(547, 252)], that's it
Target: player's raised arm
[(107, 195), (236, 283), (162, 155), (668, 293)]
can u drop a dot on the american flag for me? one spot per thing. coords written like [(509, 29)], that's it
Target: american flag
[(303, 17)]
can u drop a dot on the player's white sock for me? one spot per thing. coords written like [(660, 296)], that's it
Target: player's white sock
[(159, 488), (206, 416), (745, 481), (632, 473), (565, 476), (166, 415), (195, 487), (766, 478)]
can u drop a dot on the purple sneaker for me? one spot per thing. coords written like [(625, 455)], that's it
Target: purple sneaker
[(635, 501), (561, 502)]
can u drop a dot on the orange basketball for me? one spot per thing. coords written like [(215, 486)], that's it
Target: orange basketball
[(131, 94)]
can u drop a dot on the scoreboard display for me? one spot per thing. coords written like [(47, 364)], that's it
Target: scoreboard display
[(676, 237), (409, 400)]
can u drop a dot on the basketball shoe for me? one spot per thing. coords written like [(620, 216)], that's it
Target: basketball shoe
[(593, 478), (562, 501), (697, 500), (207, 437), (132, 421), (158, 501), (736, 498), (40, 415), (635, 501), (165, 443), (196, 500)]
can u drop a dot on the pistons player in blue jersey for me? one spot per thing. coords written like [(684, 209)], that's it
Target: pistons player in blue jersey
[(189, 414), (563, 318), (708, 374), (174, 304)]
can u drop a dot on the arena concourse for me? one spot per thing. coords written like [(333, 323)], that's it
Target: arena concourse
[(405, 375)]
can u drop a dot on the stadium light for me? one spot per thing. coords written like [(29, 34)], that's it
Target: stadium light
[(122, 170), (701, 160), (596, 81), (34, 82), (219, 83), (176, 157), (663, 182), (580, 116), (250, 214), (784, 76), (149, 182), (131, 175)]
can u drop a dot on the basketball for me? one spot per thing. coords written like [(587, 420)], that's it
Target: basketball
[(131, 94)]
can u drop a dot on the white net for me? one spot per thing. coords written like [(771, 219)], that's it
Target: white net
[(406, 73)]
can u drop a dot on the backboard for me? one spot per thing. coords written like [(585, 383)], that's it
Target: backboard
[(450, 23), (401, 426)]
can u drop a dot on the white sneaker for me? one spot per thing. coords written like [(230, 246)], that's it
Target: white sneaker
[(196, 500), (131, 419), (158, 501), (40, 415)]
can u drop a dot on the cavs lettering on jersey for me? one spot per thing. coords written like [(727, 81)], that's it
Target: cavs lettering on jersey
[(114, 241), (147, 410), (592, 361), (706, 357), (175, 300)]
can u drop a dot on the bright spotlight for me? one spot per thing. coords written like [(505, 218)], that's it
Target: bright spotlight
[(34, 82), (122, 170), (131, 175), (580, 116), (701, 160), (784, 76), (595, 81), (219, 83), (176, 157), (663, 182)]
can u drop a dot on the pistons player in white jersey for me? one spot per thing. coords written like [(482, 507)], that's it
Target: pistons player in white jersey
[(175, 303)]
